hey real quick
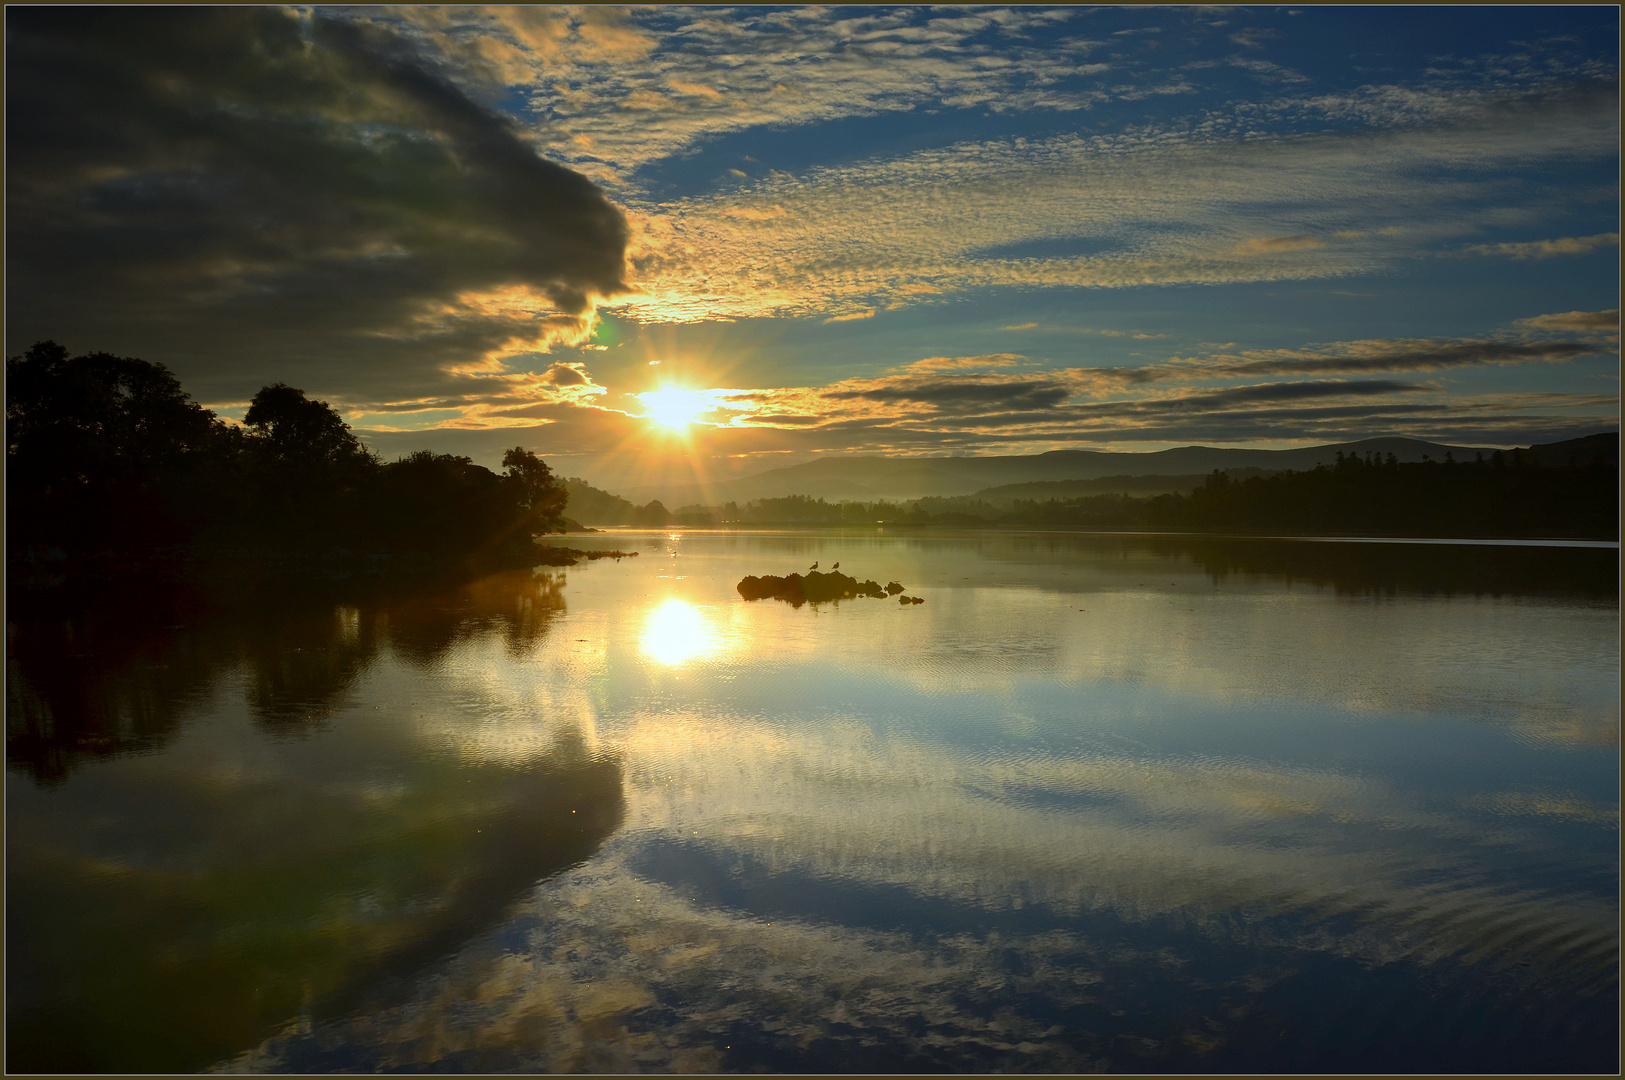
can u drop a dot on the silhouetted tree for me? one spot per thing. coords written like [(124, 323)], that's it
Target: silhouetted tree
[(540, 495), (306, 471), (299, 431), (103, 444)]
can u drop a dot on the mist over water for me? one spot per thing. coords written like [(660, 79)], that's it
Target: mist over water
[(1128, 803)]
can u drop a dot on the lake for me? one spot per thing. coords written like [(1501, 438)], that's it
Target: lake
[(1118, 803)]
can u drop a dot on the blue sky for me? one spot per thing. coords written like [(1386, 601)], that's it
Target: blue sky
[(835, 230)]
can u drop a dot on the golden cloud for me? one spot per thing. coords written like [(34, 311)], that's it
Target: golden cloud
[(752, 213), (963, 363), (1271, 245), (1575, 321), (1549, 249)]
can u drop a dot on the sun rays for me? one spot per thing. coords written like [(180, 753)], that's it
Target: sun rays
[(674, 408)]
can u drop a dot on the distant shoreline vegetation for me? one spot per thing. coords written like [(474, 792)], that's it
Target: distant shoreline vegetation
[(1567, 490), (113, 470)]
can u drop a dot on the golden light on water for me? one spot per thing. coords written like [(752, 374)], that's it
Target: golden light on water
[(677, 632), (673, 407)]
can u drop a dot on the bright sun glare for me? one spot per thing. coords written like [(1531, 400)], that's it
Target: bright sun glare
[(674, 408), (676, 632)]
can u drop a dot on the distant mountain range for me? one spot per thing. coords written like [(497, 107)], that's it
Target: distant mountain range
[(867, 478)]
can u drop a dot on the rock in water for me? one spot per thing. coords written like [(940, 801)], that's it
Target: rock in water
[(814, 588)]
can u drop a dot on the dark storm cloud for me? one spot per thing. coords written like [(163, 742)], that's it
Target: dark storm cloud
[(249, 196)]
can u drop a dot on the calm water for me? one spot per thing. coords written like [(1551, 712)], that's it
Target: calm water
[(1151, 804)]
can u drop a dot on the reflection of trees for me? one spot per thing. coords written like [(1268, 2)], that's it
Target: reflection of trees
[(232, 950), (1359, 569), (115, 675), (551, 818), (1352, 568), (522, 605), (63, 705), (108, 678), (303, 662)]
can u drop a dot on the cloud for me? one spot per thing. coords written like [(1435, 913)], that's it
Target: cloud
[(1574, 320), (1155, 207), (565, 374), (965, 393), (1267, 245), (1267, 71), (337, 198), (939, 408), (253, 194), (1277, 392), (751, 213), (694, 73), (963, 363), (1375, 356), (1254, 38), (1549, 249)]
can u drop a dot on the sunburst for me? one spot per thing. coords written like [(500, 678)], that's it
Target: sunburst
[(674, 408)]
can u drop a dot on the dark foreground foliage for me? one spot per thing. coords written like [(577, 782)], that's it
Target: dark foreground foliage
[(112, 469)]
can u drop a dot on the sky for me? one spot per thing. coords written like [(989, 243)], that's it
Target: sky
[(670, 243)]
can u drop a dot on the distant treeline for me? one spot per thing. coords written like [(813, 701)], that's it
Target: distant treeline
[(1508, 494), (109, 458), (1505, 495)]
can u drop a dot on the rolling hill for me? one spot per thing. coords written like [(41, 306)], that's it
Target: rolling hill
[(857, 477)]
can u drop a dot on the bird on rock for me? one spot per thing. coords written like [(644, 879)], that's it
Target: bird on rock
[(814, 566)]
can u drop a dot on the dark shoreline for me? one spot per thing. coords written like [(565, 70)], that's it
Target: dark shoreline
[(1350, 535), (176, 579)]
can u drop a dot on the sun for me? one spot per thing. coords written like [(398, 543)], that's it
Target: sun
[(674, 408)]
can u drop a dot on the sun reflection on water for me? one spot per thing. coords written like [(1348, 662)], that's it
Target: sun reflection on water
[(678, 632)]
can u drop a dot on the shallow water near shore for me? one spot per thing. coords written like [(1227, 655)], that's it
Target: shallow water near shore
[(1100, 803)]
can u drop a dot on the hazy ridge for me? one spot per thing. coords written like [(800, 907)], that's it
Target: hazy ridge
[(868, 477)]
